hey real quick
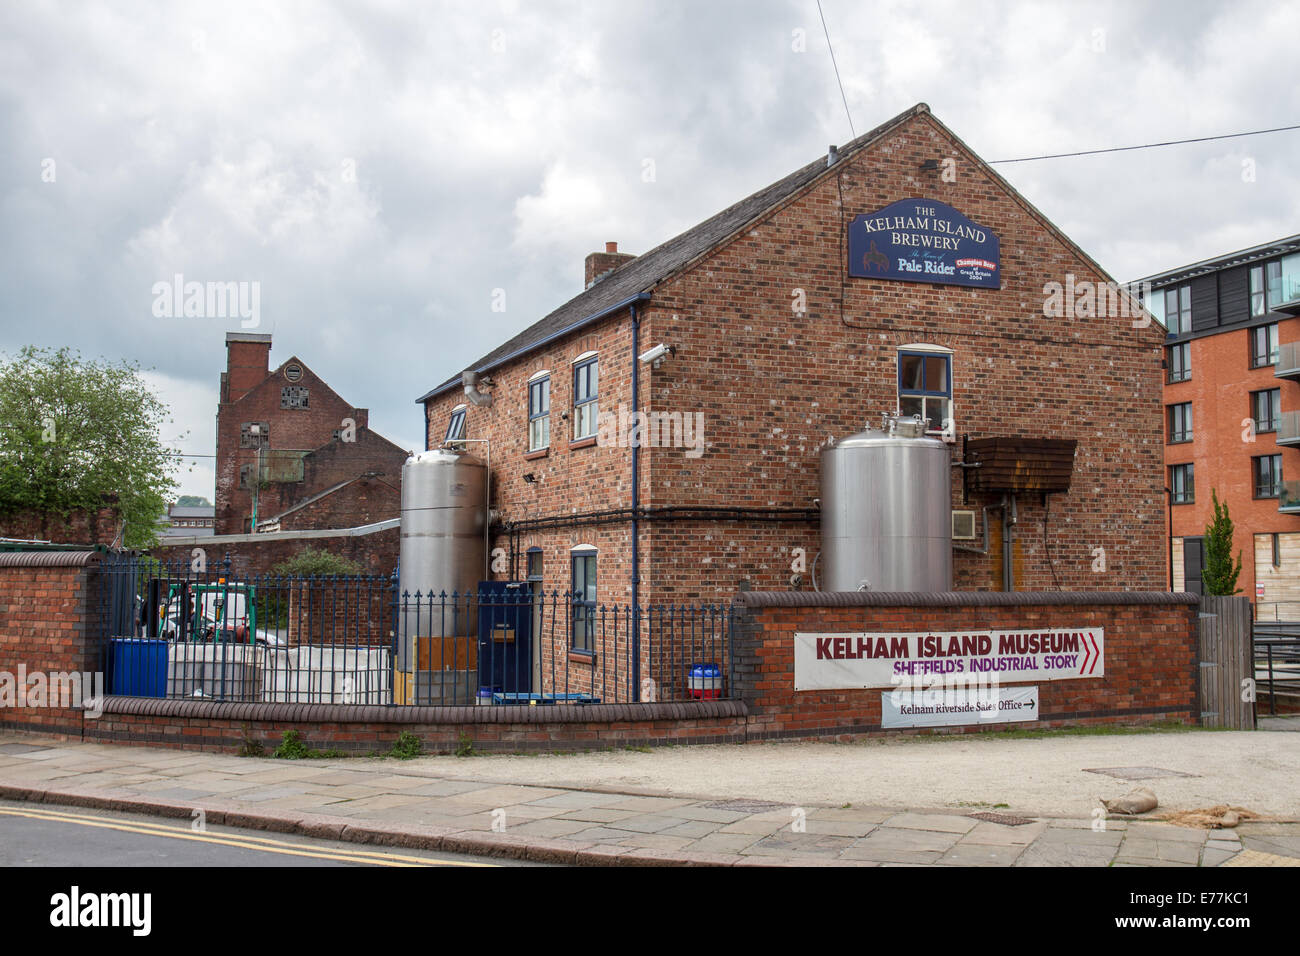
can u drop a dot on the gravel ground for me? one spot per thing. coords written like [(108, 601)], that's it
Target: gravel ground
[(1043, 776)]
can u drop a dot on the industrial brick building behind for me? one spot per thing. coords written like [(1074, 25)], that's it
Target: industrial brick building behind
[(318, 462)]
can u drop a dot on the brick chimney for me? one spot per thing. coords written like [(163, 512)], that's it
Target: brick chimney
[(248, 362), (601, 264)]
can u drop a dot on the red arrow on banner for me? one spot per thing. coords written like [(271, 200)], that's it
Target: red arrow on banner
[(1097, 655), (1083, 668)]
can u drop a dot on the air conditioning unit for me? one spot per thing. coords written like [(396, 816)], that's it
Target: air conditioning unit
[(963, 526)]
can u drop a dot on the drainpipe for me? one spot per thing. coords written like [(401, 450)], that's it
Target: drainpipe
[(1008, 523), (636, 507)]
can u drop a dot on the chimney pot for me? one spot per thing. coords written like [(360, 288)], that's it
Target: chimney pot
[(611, 247)]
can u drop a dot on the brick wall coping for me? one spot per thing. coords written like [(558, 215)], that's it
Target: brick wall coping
[(757, 599), (48, 559), (400, 714)]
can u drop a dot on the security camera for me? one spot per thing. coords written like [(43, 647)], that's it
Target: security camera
[(655, 356)]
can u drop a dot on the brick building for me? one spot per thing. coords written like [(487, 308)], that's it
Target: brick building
[(779, 333), (1232, 415), (289, 444)]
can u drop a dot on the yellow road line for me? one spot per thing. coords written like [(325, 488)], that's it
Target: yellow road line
[(251, 843)]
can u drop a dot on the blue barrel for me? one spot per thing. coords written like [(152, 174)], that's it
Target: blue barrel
[(137, 667), (704, 681)]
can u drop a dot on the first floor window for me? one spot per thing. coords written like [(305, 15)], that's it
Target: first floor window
[(1267, 474), (1263, 345), (1180, 422), (1266, 409), (584, 601), (456, 426), (586, 381), (925, 386), (539, 414), (1179, 360), (1181, 484)]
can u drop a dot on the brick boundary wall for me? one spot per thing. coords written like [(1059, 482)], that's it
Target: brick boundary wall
[(363, 729), (43, 613), (1151, 655), (1151, 675)]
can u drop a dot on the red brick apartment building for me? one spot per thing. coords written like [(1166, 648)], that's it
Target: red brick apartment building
[(1232, 415), (290, 443), (779, 324)]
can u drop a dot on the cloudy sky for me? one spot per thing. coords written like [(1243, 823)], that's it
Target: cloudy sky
[(379, 169)]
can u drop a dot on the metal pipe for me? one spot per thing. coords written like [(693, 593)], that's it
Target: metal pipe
[(1008, 523), (636, 505)]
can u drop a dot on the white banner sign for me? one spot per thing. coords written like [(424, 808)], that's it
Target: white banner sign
[(955, 707), (850, 660)]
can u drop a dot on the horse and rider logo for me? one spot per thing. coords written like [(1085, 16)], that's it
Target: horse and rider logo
[(875, 259)]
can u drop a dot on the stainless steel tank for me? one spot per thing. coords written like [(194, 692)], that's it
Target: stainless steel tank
[(444, 510), (886, 511)]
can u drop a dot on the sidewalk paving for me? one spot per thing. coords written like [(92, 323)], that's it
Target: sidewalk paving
[(400, 803)]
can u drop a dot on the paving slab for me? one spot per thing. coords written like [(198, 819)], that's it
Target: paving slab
[(982, 854), (944, 823)]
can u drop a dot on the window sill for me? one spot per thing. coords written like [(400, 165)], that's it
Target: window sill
[(540, 453), (583, 442), (582, 657), (1179, 441)]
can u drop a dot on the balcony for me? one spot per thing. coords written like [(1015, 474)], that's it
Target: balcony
[(1288, 429), (1288, 503), (1288, 361), (1290, 295)]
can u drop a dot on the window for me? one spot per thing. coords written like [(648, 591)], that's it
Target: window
[(1181, 484), (1178, 309), (1267, 473), (254, 435), (1257, 306), (456, 426), (1180, 423), (1263, 345), (539, 413), (1266, 409), (584, 599), (925, 386), (534, 564), (293, 396), (585, 409), (1277, 550), (1179, 360)]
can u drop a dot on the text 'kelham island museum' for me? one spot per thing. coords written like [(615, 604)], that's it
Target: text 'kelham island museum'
[(878, 425)]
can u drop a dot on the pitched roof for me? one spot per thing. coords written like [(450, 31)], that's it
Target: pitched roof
[(635, 278)]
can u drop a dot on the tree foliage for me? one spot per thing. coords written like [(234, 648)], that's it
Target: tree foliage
[(316, 561), (1220, 572), (74, 433)]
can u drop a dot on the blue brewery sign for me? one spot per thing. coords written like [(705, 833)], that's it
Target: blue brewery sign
[(920, 240)]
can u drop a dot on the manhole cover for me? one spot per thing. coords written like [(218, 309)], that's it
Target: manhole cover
[(746, 806), (1136, 773), (1006, 819)]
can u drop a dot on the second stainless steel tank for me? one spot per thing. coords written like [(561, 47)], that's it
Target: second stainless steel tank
[(886, 511)]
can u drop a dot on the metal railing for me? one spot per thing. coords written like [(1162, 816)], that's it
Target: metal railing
[(1277, 667), (169, 630)]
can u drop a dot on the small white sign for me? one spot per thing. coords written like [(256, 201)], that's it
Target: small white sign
[(955, 707)]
